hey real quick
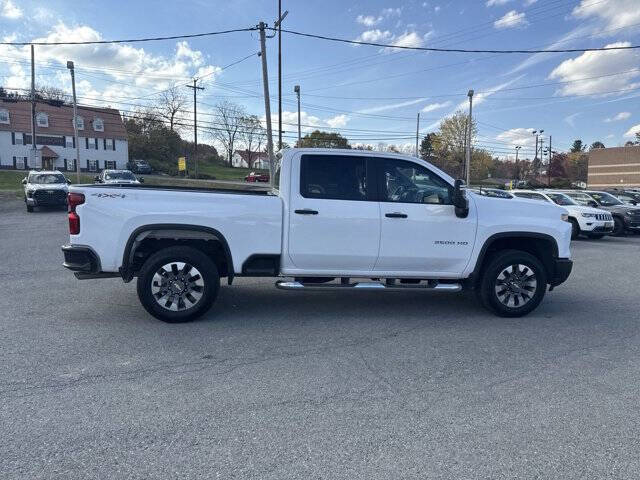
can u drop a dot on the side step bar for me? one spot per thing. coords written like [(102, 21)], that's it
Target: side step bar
[(431, 285)]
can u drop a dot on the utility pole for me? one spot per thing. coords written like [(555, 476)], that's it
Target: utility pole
[(296, 89), (518, 147), (267, 102), (33, 108), (417, 133), (279, 76), (195, 124), (470, 128), (75, 119), (549, 167)]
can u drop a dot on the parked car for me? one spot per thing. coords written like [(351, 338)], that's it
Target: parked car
[(589, 221), (45, 188), (139, 166), (336, 215), (257, 177), (630, 197), (118, 176), (491, 192), (626, 218)]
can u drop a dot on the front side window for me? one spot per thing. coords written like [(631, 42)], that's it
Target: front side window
[(580, 198), (42, 119), (605, 199), (339, 177), (408, 182), (561, 199)]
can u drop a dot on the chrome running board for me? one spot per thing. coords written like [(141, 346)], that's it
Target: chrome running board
[(429, 285)]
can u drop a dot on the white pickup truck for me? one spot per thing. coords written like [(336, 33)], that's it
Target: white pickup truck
[(336, 219)]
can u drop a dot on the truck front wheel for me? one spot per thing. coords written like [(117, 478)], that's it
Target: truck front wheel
[(178, 284), (512, 284)]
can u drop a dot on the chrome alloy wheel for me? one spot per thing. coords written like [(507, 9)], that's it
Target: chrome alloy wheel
[(516, 285), (177, 286)]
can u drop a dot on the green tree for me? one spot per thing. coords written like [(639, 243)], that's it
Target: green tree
[(451, 143), (319, 139), (638, 138), (596, 144), (577, 146), (576, 166), (427, 147)]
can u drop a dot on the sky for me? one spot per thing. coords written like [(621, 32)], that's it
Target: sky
[(367, 93)]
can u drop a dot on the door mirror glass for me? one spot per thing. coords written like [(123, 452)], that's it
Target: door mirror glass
[(593, 203), (460, 200), (24, 181)]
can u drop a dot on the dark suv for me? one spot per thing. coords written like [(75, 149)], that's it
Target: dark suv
[(630, 197), (139, 166)]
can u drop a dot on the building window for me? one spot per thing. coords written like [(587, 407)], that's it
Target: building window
[(4, 116), (110, 164), (42, 119), (19, 139), (69, 142), (108, 144), (91, 143), (79, 122), (98, 125), (92, 165)]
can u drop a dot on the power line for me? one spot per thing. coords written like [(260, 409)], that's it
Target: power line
[(456, 50)]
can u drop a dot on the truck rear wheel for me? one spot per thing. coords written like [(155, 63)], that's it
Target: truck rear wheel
[(512, 284), (178, 284)]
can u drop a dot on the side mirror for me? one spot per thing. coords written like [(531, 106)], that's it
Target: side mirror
[(68, 181), (141, 179), (24, 181), (593, 203), (460, 202)]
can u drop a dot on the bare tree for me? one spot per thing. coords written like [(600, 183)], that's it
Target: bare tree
[(253, 136), (171, 102), (229, 120), (47, 92)]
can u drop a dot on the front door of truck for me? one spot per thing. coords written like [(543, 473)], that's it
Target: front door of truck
[(334, 218), (420, 233)]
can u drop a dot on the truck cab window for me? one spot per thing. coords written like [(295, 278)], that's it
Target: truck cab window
[(339, 177), (407, 182)]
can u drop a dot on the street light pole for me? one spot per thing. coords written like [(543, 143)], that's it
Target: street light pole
[(70, 66), (518, 147), (296, 89), (417, 133), (279, 75), (470, 128)]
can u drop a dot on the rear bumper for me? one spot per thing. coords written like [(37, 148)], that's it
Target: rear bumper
[(80, 259), (561, 271)]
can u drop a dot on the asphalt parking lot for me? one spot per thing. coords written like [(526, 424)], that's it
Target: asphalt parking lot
[(274, 384)]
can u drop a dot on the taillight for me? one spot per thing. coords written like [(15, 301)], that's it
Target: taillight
[(73, 200)]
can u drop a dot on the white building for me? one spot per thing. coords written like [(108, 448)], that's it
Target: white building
[(101, 134), (244, 158)]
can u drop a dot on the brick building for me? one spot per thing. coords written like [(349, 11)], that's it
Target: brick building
[(614, 167)]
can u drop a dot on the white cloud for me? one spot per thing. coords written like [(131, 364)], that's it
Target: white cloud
[(436, 106), (616, 13), (9, 10), (510, 19), (410, 39), (391, 12), (392, 106), (374, 36), (436, 8), (570, 119), (493, 3), (517, 136), (529, 2), (338, 121), (598, 64), (618, 117), (632, 131), (610, 136), (368, 20)]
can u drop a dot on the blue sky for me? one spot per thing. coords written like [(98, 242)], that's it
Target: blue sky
[(369, 94)]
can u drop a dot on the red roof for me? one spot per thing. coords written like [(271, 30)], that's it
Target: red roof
[(61, 119), (48, 153), (254, 155)]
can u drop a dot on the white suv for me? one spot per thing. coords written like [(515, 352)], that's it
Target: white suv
[(592, 222)]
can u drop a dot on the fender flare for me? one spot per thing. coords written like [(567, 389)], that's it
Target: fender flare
[(142, 232)]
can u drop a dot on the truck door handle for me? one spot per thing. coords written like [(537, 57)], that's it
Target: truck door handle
[(306, 211), (396, 215)]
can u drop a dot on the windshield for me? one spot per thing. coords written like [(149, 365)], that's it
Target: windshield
[(47, 178), (119, 176), (560, 199), (605, 199)]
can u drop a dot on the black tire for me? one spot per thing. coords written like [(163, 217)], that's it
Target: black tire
[(208, 290), (595, 236), (522, 304), (618, 227), (575, 228)]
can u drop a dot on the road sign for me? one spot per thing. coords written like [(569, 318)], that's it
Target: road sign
[(182, 164)]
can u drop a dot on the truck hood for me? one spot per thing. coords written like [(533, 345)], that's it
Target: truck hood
[(583, 209)]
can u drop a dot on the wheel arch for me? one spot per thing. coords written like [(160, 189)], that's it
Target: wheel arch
[(541, 245), (175, 234)]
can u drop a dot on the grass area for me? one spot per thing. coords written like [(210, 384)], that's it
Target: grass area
[(226, 173)]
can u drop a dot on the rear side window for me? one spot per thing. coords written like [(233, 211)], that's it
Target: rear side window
[(338, 177)]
